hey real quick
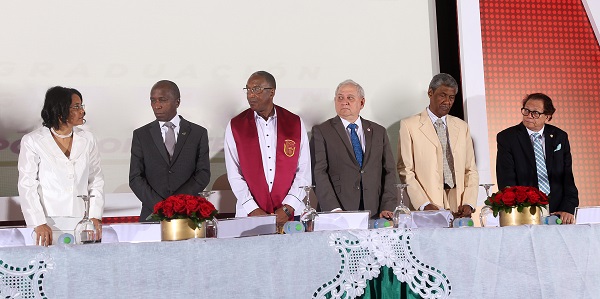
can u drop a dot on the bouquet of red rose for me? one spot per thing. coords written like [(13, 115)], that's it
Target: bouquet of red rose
[(183, 206), (519, 197)]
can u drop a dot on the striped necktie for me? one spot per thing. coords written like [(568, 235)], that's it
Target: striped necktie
[(540, 163)]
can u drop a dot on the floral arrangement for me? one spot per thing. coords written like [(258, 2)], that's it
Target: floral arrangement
[(184, 206), (519, 197)]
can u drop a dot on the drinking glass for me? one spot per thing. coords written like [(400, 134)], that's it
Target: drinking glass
[(402, 217), (85, 231), (486, 211), (487, 188), (309, 215), (206, 194), (210, 225)]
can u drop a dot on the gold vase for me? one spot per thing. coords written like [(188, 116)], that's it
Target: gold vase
[(180, 229), (529, 215)]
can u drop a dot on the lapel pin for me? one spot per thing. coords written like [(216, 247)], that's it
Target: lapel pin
[(368, 129), (183, 133), (551, 136)]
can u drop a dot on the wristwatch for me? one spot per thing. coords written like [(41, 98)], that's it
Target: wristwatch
[(287, 211)]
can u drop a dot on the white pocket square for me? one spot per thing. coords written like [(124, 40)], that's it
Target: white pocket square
[(558, 147)]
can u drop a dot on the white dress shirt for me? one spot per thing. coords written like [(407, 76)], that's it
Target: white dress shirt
[(49, 182), (163, 129), (434, 118), (267, 138)]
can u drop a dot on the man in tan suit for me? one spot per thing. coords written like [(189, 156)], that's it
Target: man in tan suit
[(435, 154)]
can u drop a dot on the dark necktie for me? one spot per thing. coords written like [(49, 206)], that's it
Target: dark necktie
[(170, 138), (358, 153)]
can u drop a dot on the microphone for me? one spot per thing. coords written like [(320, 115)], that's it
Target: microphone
[(383, 223), (551, 220), (462, 222), (292, 227), (66, 238)]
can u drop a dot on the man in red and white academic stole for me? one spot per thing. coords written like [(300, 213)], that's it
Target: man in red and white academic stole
[(267, 155)]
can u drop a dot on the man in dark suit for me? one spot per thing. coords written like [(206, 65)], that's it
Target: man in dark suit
[(169, 155), (353, 165), (517, 161)]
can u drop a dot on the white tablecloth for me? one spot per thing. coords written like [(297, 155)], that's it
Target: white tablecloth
[(511, 262)]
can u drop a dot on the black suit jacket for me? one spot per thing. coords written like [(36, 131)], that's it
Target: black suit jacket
[(336, 173), (515, 164), (152, 177)]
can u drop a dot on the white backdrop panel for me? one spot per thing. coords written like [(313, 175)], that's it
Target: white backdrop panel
[(113, 51)]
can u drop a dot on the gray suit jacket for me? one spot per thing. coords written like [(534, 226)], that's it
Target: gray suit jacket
[(152, 177), (336, 173)]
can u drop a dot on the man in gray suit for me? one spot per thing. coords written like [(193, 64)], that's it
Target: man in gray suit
[(353, 165), (169, 155)]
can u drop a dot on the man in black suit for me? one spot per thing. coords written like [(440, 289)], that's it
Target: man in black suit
[(353, 175), (516, 161), (169, 155)]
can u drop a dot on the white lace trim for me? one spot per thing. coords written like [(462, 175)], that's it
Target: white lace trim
[(364, 252), (25, 282)]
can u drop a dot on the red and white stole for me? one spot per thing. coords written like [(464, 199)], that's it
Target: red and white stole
[(245, 135)]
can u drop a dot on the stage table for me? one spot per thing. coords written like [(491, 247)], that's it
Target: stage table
[(510, 262)]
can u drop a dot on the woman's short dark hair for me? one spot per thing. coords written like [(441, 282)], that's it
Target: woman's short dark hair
[(57, 106), (548, 106)]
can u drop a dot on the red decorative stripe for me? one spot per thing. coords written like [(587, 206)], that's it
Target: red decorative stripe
[(126, 219)]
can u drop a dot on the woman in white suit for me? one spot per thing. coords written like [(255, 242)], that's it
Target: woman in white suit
[(58, 162)]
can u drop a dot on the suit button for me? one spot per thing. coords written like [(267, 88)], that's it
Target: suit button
[(170, 171), (357, 187), (362, 171)]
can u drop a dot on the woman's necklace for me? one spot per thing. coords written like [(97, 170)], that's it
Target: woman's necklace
[(61, 136)]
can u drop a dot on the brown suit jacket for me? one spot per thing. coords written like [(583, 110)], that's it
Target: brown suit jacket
[(336, 173), (420, 162)]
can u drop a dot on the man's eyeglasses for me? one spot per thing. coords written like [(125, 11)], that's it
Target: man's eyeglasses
[(255, 89), (78, 107), (534, 114)]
